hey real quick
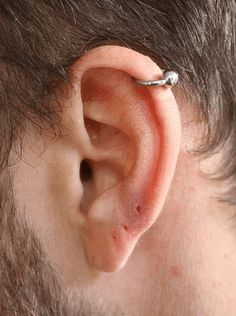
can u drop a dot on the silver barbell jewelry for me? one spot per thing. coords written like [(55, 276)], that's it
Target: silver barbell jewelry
[(170, 78)]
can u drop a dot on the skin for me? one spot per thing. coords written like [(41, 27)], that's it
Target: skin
[(179, 256)]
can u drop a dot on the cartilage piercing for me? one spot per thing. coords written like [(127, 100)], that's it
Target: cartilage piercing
[(170, 78)]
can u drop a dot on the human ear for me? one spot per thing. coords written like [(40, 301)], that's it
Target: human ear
[(129, 141)]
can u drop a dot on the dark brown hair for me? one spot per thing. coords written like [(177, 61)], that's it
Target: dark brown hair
[(39, 40)]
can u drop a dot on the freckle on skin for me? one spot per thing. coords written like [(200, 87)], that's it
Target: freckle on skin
[(176, 272)]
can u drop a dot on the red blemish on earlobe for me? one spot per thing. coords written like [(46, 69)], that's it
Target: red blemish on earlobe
[(138, 209), (176, 272), (115, 237), (126, 227)]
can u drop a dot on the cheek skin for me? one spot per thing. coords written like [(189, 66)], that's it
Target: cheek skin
[(49, 195)]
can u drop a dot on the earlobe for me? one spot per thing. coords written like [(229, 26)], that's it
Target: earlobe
[(133, 145)]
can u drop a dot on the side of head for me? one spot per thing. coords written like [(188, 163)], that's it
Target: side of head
[(127, 189)]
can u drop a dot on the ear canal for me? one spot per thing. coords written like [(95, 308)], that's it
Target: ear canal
[(120, 170)]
